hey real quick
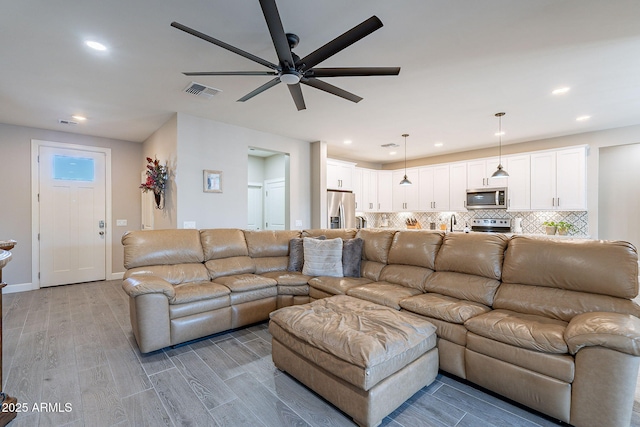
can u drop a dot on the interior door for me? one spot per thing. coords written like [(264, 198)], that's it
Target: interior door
[(274, 203), (254, 221), (72, 204)]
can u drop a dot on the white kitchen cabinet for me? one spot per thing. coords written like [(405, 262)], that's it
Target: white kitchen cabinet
[(558, 180), (405, 197), (519, 182), (369, 190), (385, 191), (457, 187), (357, 189), (340, 175), (479, 174), (433, 188)]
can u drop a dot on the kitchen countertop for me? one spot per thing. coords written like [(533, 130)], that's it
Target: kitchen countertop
[(541, 235)]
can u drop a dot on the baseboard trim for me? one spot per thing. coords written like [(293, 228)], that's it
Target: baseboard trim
[(20, 287), (116, 276)]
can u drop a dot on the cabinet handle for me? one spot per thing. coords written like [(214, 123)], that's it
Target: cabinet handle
[(553, 201), (558, 201), (378, 206)]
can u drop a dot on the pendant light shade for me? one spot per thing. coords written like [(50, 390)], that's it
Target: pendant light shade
[(500, 172), (405, 180)]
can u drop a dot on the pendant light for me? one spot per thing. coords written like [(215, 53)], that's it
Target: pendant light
[(500, 172), (405, 180)]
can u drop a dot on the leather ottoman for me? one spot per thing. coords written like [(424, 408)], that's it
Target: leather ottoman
[(365, 358)]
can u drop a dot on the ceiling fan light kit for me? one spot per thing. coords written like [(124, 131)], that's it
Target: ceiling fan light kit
[(293, 70), (500, 172)]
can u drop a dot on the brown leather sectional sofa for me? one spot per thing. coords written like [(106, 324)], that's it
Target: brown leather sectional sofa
[(548, 323)]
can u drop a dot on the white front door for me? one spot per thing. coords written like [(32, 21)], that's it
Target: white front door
[(254, 221), (274, 204), (72, 212)]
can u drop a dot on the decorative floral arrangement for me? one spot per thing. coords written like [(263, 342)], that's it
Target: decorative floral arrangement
[(156, 177)]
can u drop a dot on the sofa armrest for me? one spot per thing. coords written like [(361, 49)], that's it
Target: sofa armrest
[(616, 331), (147, 284)]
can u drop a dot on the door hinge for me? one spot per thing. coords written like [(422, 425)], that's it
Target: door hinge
[(266, 194), (38, 275), (38, 197), (38, 236)]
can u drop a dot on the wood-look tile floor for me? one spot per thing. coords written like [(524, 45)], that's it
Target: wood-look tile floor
[(71, 348)]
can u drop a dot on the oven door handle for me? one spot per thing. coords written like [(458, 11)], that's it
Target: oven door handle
[(497, 198)]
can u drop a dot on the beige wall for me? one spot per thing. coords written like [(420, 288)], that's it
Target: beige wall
[(15, 193)]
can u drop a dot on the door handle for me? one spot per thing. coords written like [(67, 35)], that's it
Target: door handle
[(101, 233)]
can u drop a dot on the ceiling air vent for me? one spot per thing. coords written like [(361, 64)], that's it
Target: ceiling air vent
[(202, 91), (67, 122), (390, 145)]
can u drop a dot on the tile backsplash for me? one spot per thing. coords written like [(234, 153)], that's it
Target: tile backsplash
[(531, 221)]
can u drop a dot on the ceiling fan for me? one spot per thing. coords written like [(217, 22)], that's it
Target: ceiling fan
[(293, 70)]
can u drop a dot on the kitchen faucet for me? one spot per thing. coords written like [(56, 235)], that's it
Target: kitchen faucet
[(453, 221)]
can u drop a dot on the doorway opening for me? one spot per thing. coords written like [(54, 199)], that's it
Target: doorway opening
[(268, 190)]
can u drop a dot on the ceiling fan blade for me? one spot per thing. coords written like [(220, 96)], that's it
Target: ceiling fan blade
[(334, 90), (341, 42), (231, 73), (224, 45), (267, 85), (296, 94), (353, 71), (280, 42)]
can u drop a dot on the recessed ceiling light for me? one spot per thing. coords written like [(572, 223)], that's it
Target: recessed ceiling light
[(561, 90), (347, 141), (582, 118), (392, 153), (500, 133), (80, 118), (95, 45), (438, 144)]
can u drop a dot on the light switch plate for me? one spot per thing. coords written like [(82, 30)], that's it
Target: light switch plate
[(121, 222), (189, 224), (298, 223)]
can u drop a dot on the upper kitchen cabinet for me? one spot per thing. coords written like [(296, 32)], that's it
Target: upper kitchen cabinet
[(458, 187), (519, 182), (385, 191), (558, 180), (357, 188), (405, 197), (369, 201), (479, 174), (433, 187), (340, 175)]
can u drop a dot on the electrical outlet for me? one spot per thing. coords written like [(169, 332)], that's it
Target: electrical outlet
[(121, 222), (189, 224)]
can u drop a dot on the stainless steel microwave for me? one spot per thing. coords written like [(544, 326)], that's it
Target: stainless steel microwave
[(487, 198)]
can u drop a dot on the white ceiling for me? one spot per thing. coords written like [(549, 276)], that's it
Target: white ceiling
[(462, 61)]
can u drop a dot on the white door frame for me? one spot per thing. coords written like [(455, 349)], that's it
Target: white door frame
[(35, 211)]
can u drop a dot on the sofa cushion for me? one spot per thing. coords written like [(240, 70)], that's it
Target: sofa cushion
[(443, 307), (269, 243), (331, 233), (252, 295), (522, 330), (198, 291), (157, 247), (246, 282), (405, 275), (272, 263), (417, 248), (202, 306), (480, 254), (452, 332), (174, 274), (296, 252), (230, 266), (577, 265), (322, 257), (287, 278), (302, 290), (383, 293), (463, 286), (337, 285), (376, 244), (220, 243), (371, 269), (352, 257)]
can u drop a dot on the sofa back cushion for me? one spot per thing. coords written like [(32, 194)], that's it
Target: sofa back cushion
[(417, 248), (221, 243), (592, 266), (161, 247), (410, 276), (331, 233), (557, 303), (174, 274), (269, 243), (480, 254), (463, 286), (376, 244)]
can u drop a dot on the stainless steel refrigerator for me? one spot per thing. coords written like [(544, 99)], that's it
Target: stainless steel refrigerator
[(341, 206)]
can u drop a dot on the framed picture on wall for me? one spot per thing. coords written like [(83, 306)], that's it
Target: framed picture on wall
[(212, 181)]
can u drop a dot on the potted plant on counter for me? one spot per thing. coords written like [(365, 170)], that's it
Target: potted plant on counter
[(564, 228), (551, 227)]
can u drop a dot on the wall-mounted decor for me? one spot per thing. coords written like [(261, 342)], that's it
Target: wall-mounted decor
[(212, 181), (156, 181)]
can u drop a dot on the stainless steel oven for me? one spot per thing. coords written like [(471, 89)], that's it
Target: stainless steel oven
[(487, 198)]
